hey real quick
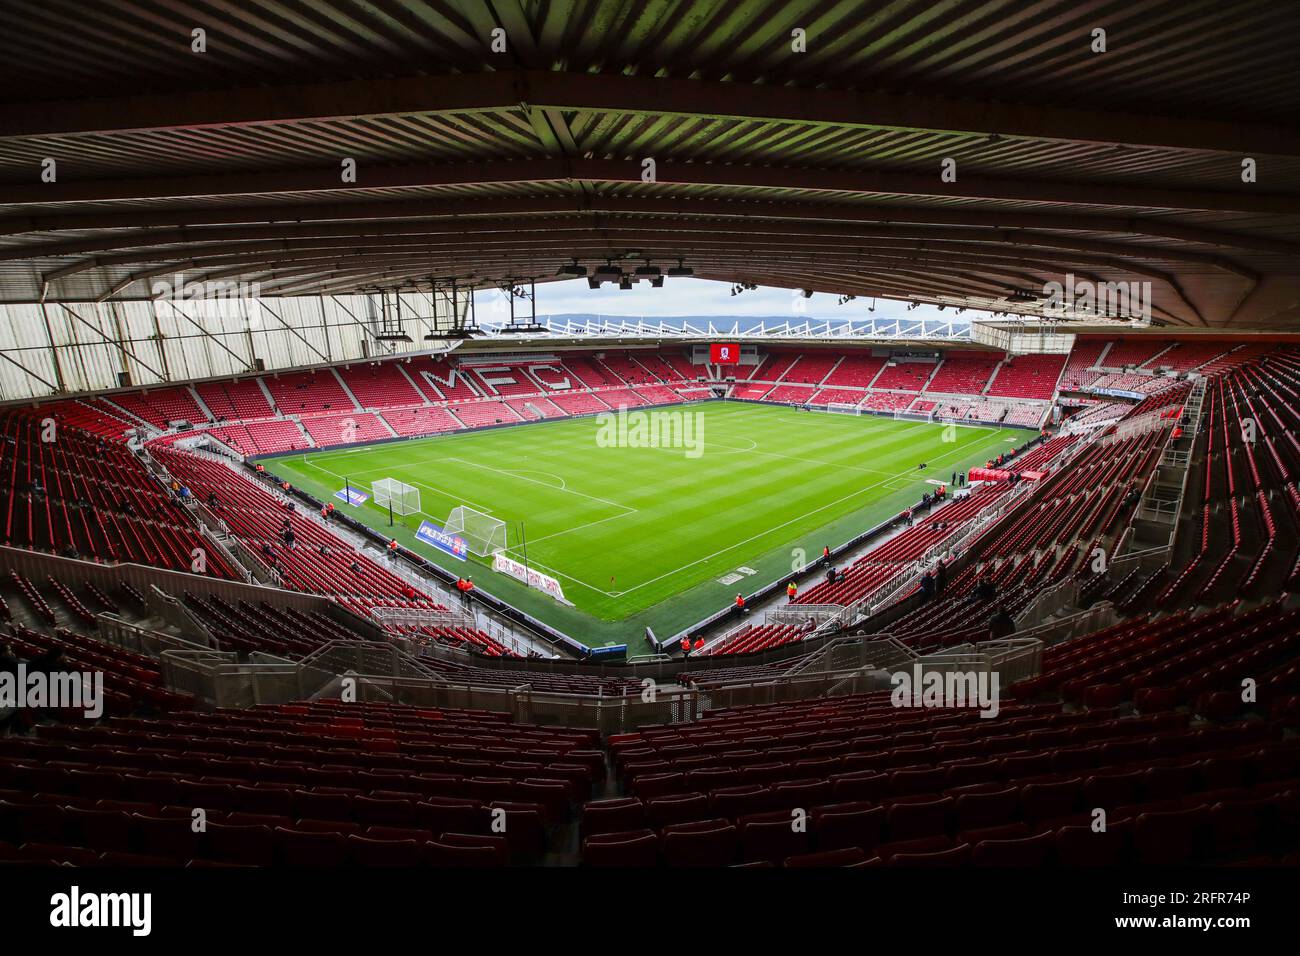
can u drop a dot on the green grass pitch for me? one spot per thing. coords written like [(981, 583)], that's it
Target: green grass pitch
[(641, 535)]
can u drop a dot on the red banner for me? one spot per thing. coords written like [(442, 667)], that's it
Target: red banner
[(724, 353)]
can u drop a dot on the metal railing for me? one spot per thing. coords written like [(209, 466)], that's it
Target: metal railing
[(382, 672), (1100, 615), (142, 640), (220, 680)]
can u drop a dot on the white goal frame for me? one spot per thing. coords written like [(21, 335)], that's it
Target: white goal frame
[(844, 408), (404, 499), (483, 534)]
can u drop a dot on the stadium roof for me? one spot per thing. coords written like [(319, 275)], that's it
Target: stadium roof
[(817, 169)]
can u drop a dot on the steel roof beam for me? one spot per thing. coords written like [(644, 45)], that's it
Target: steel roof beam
[(517, 172), (648, 95)]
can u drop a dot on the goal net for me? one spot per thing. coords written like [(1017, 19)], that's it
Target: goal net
[(482, 533), (403, 498), (843, 408), (902, 416)]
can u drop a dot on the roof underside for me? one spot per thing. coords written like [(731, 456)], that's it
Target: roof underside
[(817, 169)]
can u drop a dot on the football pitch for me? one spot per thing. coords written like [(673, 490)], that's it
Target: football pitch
[(640, 535)]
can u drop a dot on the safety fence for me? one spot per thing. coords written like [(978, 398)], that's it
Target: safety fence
[(358, 671)]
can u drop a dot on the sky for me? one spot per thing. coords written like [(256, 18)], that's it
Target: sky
[(688, 296)]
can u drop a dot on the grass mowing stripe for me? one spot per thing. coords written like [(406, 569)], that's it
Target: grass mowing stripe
[(641, 535)]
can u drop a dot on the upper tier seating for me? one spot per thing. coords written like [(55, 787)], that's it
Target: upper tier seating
[(628, 368), (442, 381), (380, 385), (328, 430), (903, 376), (261, 438), (811, 368), (421, 420), (160, 406), (300, 393), (1133, 352), (589, 374), (1083, 356), (964, 373), (506, 379), (671, 366), (775, 367), (1186, 356), (855, 371), (233, 401), (1028, 376)]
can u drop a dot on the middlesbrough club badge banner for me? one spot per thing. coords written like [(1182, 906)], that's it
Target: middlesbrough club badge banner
[(724, 353)]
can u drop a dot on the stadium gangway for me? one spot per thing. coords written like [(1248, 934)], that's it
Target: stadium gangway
[(111, 629), (1098, 616), (844, 653), (1162, 499), (1064, 594), (421, 617), (779, 690), (1012, 659), (819, 614), (219, 679)]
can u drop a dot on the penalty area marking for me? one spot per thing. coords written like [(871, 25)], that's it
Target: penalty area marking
[(478, 506), (610, 594), (708, 557)]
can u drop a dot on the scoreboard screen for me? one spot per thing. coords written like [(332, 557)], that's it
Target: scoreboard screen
[(724, 353)]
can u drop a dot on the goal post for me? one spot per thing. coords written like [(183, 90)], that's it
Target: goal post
[(844, 408), (404, 499), (483, 534)]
